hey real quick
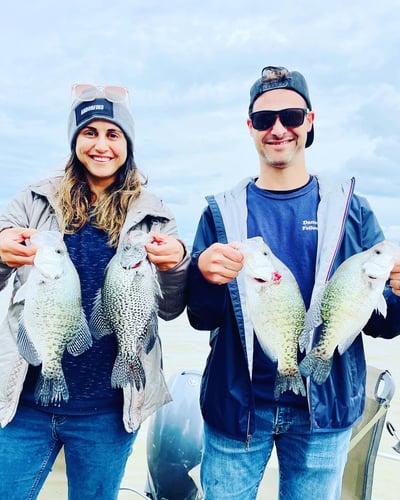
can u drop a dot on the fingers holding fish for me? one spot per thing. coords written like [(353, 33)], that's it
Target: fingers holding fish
[(14, 248), (164, 250), (220, 263), (394, 278)]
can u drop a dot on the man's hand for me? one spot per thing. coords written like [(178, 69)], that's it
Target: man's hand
[(220, 263)]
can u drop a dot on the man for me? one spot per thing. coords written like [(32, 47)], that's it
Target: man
[(312, 226)]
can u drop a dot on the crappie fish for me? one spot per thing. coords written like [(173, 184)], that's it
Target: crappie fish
[(52, 319), (127, 306), (277, 311), (345, 305)]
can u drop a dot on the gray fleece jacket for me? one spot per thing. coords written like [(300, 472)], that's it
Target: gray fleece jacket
[(36, 207)]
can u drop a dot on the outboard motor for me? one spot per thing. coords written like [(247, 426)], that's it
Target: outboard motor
[(175, 440)]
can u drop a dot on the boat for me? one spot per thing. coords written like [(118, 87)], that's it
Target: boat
[(174, 443)]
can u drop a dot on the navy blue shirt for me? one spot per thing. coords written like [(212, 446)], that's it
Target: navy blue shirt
[(88, 376), (287, 221)]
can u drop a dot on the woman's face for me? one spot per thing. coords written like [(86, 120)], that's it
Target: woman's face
[(102, 149)]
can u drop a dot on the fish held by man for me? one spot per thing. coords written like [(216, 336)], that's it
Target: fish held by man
[(127, 306), (345, 305), (52, 318), (277, 311)]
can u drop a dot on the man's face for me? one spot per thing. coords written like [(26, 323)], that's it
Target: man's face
[(281, 146)]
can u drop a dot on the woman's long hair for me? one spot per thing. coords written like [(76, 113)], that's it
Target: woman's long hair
[(110, 212)]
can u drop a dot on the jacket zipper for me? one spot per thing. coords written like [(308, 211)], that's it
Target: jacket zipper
[(249, 436), (349, 196)]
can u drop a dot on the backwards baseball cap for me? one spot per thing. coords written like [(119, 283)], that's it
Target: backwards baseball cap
[(278, 77), (100, 103)]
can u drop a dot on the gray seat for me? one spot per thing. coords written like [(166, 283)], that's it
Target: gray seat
[(359, 471)]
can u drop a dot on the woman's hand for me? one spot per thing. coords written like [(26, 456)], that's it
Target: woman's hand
[(164, 251), (13, 250)]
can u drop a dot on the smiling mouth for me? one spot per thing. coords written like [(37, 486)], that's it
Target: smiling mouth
[(279, 143), (101, 159)]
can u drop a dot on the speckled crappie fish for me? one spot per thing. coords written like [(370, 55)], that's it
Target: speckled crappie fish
[(276, 310), (127, 306), (52, 319), (345, 305)]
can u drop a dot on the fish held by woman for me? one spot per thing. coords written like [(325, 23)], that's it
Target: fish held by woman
[(345, 305), (276, 310), (127, 306), (52, 319)]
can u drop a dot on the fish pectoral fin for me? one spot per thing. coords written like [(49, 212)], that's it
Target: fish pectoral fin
[(156, 283), (82, 340), (20, 296), (151, 333), (26, 347)]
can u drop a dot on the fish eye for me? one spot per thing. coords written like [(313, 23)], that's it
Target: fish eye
[(59, 251), (378, 252), (265, 253)]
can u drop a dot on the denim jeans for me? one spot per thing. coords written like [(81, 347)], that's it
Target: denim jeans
[(310, 464), (96, 449)]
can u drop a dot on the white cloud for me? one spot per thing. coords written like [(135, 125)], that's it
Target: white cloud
[(189, 67)]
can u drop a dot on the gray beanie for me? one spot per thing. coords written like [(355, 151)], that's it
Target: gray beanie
[(84, 112)]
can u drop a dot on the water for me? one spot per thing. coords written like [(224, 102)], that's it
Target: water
[(185, 348)]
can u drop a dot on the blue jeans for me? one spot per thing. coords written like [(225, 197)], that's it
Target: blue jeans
[(96, 449), (310, 464)]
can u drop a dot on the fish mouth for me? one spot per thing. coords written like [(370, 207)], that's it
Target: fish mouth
[(275, 279), (260, 280), (134, 266)]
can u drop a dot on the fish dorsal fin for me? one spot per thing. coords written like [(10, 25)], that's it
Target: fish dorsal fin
[(381, 307), (313, 315), (98, 324), (82, 340)]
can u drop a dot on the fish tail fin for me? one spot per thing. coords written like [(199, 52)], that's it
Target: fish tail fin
[(128, 372), (285, 383), (316, 367), (51, 389)]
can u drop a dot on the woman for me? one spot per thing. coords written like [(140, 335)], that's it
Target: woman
[(94, 204)]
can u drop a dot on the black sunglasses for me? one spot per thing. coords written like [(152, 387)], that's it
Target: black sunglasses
[(290, 118)]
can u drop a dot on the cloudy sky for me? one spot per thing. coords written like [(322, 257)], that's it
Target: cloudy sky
[(189, 66)]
